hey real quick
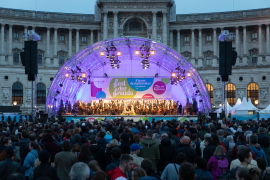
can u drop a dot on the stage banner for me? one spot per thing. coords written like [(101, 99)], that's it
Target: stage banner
[(129, 88)]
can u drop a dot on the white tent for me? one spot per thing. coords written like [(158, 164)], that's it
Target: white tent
[(251, 105), (236, 105), (228, 108), (244, 107), (266, 110)]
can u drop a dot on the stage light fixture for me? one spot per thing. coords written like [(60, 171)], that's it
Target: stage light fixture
[(137, 52), (113, 56), (72, 77), (101, 53), (66, 75), (194, 85), (197, 91), (83, 75), (57, 92), (111, 59), (118, 53), (142, 55), (148, 55), (78, 78), (188, 74), (61, 85), (173, 74), (108, 55), (152, 52)]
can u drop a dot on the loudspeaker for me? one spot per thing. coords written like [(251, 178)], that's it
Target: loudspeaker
[(30, 50), (225, 58), (22, 54)]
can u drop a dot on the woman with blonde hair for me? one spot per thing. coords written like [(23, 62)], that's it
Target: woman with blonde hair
[(218, 163), (137, 173)]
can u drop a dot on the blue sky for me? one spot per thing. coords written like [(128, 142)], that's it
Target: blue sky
[(87, 6)]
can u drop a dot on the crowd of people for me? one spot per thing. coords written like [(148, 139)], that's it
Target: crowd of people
[(121, 149)]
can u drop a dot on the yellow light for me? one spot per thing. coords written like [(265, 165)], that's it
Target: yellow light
[(152, 52), (137, 52), (84, 75), (256, 102), (220, 105), (102, 53), (188, 74), (118, 53), (173, 74), (67, 75), (14, 103)]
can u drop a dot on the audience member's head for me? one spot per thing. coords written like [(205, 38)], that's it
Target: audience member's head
[(186, 172), (137, 173), (244, 155), (79, 171), (16, 176), (200, 163), (248, 174)]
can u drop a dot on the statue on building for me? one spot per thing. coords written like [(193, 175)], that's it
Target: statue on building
[(6, 93), (173, 11), (264, 93), (218, 94), (241, 94), (97, 13)]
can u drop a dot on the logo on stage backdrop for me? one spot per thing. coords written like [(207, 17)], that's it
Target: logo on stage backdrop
[(131, 88)]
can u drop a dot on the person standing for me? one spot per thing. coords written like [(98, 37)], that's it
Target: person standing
[(150, 149), (64, 161), (31, 158), (135, 151), (126, 164), (24, 146), (180, 109)]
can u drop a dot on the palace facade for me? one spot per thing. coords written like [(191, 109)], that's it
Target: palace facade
[(194, 36)]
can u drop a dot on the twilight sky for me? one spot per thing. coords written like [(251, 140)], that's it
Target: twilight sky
[(182, 6)]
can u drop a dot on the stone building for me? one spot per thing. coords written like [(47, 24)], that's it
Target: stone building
[(195, 36)]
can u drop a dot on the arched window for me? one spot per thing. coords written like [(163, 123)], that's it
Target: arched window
[(17, 93), (230, 92), (253, 92), (210, 91), (41, 93)]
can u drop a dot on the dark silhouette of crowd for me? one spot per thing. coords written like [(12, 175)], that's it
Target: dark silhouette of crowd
[(118, 149)]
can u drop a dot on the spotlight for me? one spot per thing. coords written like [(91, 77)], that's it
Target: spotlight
[(188, 75), (111, 59), (194, 85), (148, 55), (78, 78), (120, 62), (84, 75), (57, 92), (118, 53), (173, 74), (137, 52), (183, 77), (66, 75), (113, 56), (108, 55), (61, 85), (72, 77), (152, 52), (197, 91), (142, 55), (101, 53)]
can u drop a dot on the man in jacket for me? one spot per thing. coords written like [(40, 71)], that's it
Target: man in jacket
[(116, 154), (150, 149), (209, 149), (222, 139), (126, 164), (98, 153), (167, 151), (9, 166), (64, 161), (101, 142), (261, 134), (256, 149), (24, 146), (187, 150), (44, 169)]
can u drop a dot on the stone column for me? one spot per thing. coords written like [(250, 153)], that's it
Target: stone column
[(178, 41), (92, 36), (48, 45), (105, 26), (55, 58), (200, 59), (25, 31), (2, 53), (237, 48), (244, 59), (70, 43), (115, 24), (10, 55), (193, 47), (267, 57), (98, 35), (260, 46), (77, 40), (154, 26), (171, 39), (164, 28), (214, 60)]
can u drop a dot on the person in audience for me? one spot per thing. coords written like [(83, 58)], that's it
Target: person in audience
[(245, 173), (147, 165), (201, 172), (137, 173), (126, 164), (187, 172), (167, 151), (187, 149), (209, 149), (115, 154), (98, 154), (79, 171)]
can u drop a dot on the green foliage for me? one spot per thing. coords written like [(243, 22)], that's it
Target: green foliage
[(9, 119)]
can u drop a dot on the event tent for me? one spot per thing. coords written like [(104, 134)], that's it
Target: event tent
[(228, 108), (266, 110), (244, 107), (235, 106)]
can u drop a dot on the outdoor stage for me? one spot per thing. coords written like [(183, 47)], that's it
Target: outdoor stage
[(91, 118)]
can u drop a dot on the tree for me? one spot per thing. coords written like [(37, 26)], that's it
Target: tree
[(20, 120), (14, 120), (9, 119)]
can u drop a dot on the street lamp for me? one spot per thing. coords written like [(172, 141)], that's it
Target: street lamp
[(256, 102), (14, 103), (220, 105)]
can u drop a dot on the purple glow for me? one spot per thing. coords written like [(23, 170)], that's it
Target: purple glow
[(90, 62)]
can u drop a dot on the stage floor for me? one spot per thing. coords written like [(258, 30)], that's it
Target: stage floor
[(92, 118)]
